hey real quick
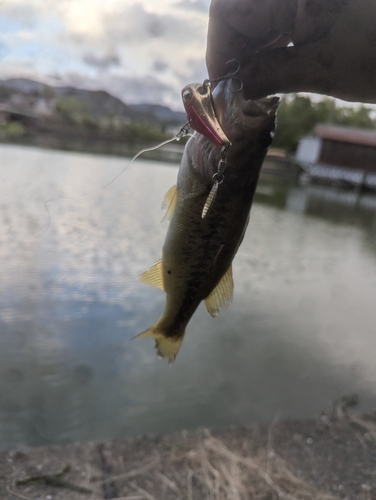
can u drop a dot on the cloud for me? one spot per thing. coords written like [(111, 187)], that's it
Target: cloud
[(135, 90), (131, 90), (134, 23), (154, 48), (194, 71), (23, 14), (160, 66), (101, 62), (199, 5), (4, 50), (156, 27)]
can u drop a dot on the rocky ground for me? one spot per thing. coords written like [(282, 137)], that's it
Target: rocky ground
[(333, 457)]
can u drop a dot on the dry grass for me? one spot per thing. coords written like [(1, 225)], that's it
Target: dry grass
[(212, 471), (222, 474), (192, 467), (369, 426)]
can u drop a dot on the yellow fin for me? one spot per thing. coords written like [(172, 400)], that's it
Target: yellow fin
[(154, 275), (167, 347), (221, 296), (169, 202)]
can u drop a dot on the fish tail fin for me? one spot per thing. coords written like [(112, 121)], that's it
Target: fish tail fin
[(167, 346)]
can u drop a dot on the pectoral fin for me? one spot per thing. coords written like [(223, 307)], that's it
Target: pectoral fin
[(221, 296), (154, 275), (169, 202)]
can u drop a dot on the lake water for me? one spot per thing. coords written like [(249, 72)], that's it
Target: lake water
[(300, 333)]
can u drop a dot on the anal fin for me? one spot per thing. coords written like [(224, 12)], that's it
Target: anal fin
[(221, 295)]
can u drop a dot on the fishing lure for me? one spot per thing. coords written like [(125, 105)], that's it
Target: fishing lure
[(199, 106)]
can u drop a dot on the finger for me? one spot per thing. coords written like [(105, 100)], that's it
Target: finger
[(219, 52), (223, 44), (255, 18), (291, 69), (282, 41), (315, 18), (310, 68), (239, 28)]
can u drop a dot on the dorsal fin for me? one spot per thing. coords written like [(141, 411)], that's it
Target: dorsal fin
[(221, 296), (169, 202), (154, 275)]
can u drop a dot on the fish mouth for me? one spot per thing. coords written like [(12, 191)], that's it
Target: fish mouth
[(248, 124), (238, 116), (262, 107), (259, 116)]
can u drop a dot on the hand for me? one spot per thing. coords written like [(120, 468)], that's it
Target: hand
[(334, 50)]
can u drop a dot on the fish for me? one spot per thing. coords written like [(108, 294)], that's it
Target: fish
[(199, 248)]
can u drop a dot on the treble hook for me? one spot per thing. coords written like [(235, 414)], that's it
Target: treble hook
[(229, 76)]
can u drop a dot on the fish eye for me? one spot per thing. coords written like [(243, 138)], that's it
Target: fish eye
[(187, 95)]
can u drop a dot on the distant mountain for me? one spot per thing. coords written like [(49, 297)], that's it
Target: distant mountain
[(41, 98), (23, 85), (160, 113)]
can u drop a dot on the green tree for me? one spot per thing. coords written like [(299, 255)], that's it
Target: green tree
[(71, 110), (13, 130), (48, 92), (141, 131), (5, 93), (359, 117), (298, 115)]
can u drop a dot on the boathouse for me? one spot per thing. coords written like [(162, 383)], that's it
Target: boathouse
[(339, 155)]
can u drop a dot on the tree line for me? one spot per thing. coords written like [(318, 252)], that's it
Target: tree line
[(298, 115)]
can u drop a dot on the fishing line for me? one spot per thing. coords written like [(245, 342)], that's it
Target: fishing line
[(183, 132)]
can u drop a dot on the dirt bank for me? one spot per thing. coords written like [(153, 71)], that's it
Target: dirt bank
[(332, 457)]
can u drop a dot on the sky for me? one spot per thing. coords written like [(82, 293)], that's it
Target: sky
[(138, 50)]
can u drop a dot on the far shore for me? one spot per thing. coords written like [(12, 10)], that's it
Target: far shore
[(169, 153)]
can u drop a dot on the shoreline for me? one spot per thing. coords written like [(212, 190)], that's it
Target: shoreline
[(328, 458), (103, 148)]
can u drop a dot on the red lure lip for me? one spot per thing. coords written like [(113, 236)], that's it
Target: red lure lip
[(198, 104)]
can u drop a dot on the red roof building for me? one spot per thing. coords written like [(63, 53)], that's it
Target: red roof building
[(340, 154)]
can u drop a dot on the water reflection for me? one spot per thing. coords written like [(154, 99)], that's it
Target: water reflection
[(335, 204), (299, 334)]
